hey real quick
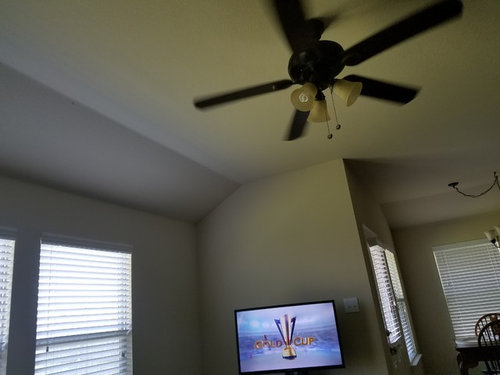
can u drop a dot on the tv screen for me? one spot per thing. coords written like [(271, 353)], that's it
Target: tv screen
[(295, 337)]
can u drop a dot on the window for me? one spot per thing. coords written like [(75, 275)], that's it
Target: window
[(386, 295), (6, 266), (404, 316), (470, 277), (84, 318), (392, 299)]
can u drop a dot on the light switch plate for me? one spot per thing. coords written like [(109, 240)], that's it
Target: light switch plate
[(351, 304)]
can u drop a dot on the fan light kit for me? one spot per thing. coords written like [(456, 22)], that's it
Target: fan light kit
[(493, 235), (315, 64), (308, 99)]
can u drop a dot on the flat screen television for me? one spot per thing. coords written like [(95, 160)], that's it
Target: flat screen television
[(288, 338)]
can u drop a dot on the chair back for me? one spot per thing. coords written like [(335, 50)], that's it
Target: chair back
[(485, 319), (489, 338)]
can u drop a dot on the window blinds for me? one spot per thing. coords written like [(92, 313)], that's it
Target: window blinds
[(6, 267), (84, 318), (386, 294), (470, 276), (401, 305)]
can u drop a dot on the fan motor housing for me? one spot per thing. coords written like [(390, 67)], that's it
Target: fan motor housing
[(318, 64)]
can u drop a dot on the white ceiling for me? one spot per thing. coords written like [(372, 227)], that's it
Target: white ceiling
[(96, 97)]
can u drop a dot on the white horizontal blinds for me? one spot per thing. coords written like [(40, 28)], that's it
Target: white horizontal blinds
[(404, 317), (93, 356), (470, 276), (84, 316), (386, 294), (6, 267)]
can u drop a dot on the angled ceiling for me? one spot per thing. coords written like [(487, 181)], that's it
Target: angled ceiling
[(98, 99)]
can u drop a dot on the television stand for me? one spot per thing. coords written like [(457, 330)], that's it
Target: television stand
[(298, 372)]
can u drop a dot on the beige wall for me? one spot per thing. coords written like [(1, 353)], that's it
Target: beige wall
[(287, 238), (373, 226), (164, 281), (423, 287), (368, 211)]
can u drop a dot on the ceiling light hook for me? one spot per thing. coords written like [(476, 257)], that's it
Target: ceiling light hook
[(454, 185)]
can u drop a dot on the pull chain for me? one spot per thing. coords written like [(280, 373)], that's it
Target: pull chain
[(330, 135), (338, 126)]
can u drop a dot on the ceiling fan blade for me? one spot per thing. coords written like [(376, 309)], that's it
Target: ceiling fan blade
[(383, 90), (298, 125), (291, 16), (243, 93), (402, 30), (299, 32)]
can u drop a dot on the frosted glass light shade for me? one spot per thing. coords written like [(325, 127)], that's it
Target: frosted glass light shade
[(319, 112), (346, 90), (303, 97), (491, 234)]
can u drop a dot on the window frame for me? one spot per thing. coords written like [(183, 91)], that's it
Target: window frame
[(460, 266), (80, 341), (393, 303), (402, 306), (6, 278)]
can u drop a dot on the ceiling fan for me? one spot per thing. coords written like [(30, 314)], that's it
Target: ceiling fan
[(315, 63)]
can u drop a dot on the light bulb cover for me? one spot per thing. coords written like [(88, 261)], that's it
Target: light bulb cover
[(303, 97), (491, 235), (346, 90), (319, 112)]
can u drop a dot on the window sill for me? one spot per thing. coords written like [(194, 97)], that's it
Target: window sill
[(416, 360)]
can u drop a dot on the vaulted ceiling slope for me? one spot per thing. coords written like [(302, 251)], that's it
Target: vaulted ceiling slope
[(97, 98), (50, 139)]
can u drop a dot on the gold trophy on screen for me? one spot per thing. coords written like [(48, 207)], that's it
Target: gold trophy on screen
[(285, 326)]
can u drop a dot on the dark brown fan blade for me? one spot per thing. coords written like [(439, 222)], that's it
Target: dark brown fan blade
[(383, 90), (243, 93), (299, 32), (292, 18), (402, 30), (298, 124)]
